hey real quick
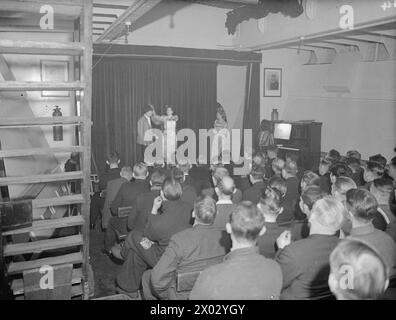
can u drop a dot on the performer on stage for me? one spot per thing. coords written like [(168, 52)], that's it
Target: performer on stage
[(144, 124), (170, 142), (222, 133)]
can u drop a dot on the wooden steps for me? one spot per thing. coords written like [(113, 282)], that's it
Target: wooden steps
[(42, 245), (49, 224), (58, 201), (11, 153), (17, 284), (19, 267), (41, 85), (42, 48), (42, 178)]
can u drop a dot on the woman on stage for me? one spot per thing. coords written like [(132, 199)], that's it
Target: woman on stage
[(169, 137), (222, 135)]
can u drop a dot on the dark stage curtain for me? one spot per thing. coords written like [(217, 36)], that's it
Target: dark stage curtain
[(251, 116), (121, 87)]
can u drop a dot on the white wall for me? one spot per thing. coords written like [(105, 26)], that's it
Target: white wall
[(364, 119), (189, 26)]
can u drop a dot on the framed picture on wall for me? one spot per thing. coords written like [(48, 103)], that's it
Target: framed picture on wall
[(272, 82), (55, 71)]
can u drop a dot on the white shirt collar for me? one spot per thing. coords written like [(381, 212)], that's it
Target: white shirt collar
[(224, 201)]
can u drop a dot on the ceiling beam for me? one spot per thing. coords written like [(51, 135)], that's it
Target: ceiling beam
[(110, 6), (132, 14), (105, 15)]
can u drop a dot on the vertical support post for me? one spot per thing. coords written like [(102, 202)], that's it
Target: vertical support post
[(86, 106)]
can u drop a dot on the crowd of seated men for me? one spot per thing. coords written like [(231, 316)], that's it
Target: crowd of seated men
[(280, 232)]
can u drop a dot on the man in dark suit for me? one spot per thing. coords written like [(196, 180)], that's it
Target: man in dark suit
[(244, 273), (113, 186), (143, 250), (305, 263), (125, 197), (253, 193), (189, 194), (190, 250), (218, 173), (225, 190), (144, 203), (200, 176), (111, 172), (289, 173)]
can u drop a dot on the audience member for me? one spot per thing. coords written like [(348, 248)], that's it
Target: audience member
[(142, 251), (289, 173), (189, 251), (113, 186), (305, 263), (324, 173), (224, 190), (125, 197), (308, 179), (362, 206), (357, 272), (253, 193), (277, 166), (372, 171), (244, 274), (272, 154), (189, 194)]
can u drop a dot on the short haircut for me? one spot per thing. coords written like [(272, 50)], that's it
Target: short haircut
[(113, 157), (328, 212), (271, 200), (220, 172), (354, 154), (258, 160), (325, 162), (148, 108), (172, 189), (226, 186), (312, 194), (383, 185), (279, 184), (364, 265), (126, 170), (140, 170), (265, 125), (291, 167), (257, 173), (376, 168), (378, 158), (362, 204), (277, 165), (205, 209), (246, 221), (157, 177), (339, 169), (291, 157), (353, 161), (310, 178), (334, 155), (343, 184), (178, 174)]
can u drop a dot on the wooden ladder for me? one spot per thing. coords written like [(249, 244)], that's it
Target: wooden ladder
[(80, 259)]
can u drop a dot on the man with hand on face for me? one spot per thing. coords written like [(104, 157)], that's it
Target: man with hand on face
[(305, 263), (142, 251)]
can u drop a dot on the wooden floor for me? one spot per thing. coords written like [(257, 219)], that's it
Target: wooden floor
[(105, 270)]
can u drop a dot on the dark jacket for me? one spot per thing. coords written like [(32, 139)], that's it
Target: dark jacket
[(305, 267), (380, 241), (253, 193), (223, 214), (290, 200), (190, 250), (107, 176), (244, 275), (142, 210), (175, 217), (128, 193)]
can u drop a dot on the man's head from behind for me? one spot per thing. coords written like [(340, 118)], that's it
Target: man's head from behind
[(225, 188), (246, 224), (272, 151), (327, 215), (218, 173), (361, 205), (113, 159), (126, 173), (309, 197), (171, 189), (140, 171), (357, 272), (205, 210), (157, 178), (341, 186), (290, 170)]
